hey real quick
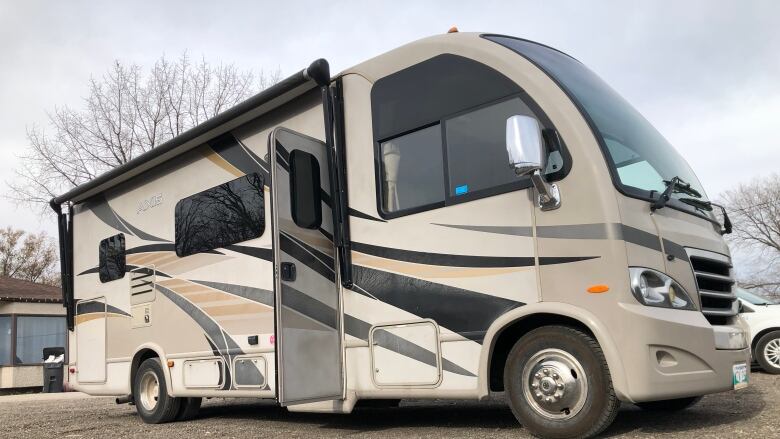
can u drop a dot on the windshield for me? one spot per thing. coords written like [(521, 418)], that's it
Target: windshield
[(753, 298), (642, 160)]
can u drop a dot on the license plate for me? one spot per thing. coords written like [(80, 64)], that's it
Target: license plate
[(740, 376)]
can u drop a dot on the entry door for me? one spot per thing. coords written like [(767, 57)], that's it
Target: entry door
[(308, 308)]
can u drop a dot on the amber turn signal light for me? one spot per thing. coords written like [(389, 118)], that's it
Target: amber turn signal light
[(598, 289)]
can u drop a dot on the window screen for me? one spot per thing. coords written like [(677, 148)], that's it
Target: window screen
[(5, 339), (476, 147), (306, 200), (226, 214), (412, 170), (35, 333), (112, 258)]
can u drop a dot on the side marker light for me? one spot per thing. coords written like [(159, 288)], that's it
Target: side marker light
[(598, 289)]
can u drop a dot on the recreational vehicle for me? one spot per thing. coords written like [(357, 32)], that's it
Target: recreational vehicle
[(464, 215)]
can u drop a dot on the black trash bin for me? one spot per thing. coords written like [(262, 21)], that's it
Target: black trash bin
[(53, 370)]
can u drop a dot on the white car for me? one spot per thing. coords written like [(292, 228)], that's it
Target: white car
[(763, 318)]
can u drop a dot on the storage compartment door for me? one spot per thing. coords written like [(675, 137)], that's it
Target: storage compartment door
[(401, 354), (91, 340)]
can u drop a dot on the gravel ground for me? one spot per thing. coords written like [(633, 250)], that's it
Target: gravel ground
[(753, 412)]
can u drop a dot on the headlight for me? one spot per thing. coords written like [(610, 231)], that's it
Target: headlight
[(653, 288)]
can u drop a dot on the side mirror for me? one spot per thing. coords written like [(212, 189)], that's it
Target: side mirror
[(524, 144), (528, 156)]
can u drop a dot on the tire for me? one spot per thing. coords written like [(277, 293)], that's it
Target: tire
[(189, 408), (669, 405), (569, 367), (767, 352), (150, 394)]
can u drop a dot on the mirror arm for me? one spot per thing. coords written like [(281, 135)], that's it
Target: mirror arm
[(549, 197)]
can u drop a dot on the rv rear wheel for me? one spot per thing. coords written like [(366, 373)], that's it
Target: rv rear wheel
[(189, 408), (558, 384), (150, 394)]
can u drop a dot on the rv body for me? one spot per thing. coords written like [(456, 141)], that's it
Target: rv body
[(364, 237)]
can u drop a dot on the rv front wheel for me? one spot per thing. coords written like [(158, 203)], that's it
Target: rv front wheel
[(558, 384), (150, 393)]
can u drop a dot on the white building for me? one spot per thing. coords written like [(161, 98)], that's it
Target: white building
[(31, 318)]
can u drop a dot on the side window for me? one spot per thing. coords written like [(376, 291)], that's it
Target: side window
[(476, 147), (226, 214), (305, 196), (34, 333), (6, 323), (111, 265), (412, 170), (440, 135)]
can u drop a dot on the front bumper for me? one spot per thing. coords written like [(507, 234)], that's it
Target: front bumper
[(671, 354)]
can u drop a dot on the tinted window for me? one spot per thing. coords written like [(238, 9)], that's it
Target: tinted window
[(412, 170), (112, 258), (640, 156), (421, 94), (305, 197), (476, 147), (35, 333), (5, 339), (226, 214), (450, 93)]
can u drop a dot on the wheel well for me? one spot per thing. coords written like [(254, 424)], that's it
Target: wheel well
[(758, 336), (140, 357), (508, 336)]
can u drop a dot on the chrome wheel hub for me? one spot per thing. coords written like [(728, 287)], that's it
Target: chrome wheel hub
[(150, 390), (772, 352), (555, 384)]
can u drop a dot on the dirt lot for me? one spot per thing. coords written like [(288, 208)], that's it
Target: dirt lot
[(753, 412)]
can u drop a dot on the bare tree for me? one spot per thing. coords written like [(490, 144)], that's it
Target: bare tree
[(127, 112), (755, 212), (28, 256)]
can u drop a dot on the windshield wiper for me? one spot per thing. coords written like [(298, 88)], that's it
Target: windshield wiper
[(699, 204), (726, 229), (675, 185)]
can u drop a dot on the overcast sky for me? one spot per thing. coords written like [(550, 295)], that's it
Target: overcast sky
[(705, 73)]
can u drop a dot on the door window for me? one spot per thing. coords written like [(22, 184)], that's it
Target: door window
[(305, 192)]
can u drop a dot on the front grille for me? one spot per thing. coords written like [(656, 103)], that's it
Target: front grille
[(714, 281)]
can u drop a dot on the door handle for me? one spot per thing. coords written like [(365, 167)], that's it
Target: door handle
[(288, 272)]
